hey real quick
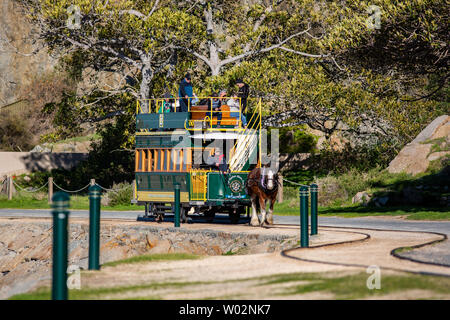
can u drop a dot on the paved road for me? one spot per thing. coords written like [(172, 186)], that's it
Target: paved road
[(438, 253), (364, 222)]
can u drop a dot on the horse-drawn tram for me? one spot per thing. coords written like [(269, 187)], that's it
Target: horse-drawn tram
[(208, 147)]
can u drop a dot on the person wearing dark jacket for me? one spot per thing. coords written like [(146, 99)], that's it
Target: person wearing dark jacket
[(185, 92), (243, 93)]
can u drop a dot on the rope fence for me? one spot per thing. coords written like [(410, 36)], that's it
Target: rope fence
[(70, 191), (9, 187), (10, 183), (295, 183), (32, 189)]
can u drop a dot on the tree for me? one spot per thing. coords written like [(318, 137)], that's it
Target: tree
[(237, 31), (370, 98), (134, 39)]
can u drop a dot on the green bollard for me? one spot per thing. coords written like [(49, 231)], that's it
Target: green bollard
[(314, 190), (176, 219), (60, 205), (304, 241), (94, 227)]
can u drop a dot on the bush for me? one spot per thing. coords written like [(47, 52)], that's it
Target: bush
[(360, 158), (15, 133), (122, 195)]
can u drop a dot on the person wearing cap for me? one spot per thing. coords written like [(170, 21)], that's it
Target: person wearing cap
[(185, 92), (243, 92), (217, 160)]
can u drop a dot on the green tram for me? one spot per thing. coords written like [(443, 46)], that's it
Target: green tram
[(171, 148)]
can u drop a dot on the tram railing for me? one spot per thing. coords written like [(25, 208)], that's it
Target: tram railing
[(198, 185), (203, 113)]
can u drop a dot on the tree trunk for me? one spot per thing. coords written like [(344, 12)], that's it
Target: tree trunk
[(214, 60), (144, 91)]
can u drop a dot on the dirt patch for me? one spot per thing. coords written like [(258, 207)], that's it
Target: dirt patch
[(25, 246)]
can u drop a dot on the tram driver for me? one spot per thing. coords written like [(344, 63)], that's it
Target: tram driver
[(217, 161)]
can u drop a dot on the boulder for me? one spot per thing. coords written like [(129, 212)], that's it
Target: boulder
[(433, 130), (411, 159), (361, 198), (437, 155), (415, 157)]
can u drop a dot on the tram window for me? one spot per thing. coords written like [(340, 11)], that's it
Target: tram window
[(164, 160), (140, 182), (139, 160), (156, 163)]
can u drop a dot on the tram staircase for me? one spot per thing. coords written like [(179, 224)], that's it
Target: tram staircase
[(245, 150)]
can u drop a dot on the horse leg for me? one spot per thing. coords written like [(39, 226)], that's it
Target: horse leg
[(269, 219), (254, 220), (262, 205)]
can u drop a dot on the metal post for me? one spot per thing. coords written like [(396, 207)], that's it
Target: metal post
[(94, 227), (280, 189), (10, 187), (314, 192), (304, 241), (59, 269), (50, 189), (177, 205), (92, 183)]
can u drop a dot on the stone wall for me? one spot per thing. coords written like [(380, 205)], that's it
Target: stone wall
[(26, 247), (25, 162)]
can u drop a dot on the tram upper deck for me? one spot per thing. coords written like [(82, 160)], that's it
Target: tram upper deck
[(165, 114)]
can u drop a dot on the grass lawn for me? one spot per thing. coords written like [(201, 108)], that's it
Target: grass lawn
[(338, 286), (352, 211), (24, 201), (153, 257)]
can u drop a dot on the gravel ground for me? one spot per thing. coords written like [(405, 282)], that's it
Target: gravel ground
[(438, 253)]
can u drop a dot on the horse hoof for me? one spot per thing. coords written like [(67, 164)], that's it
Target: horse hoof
[(254, 223)]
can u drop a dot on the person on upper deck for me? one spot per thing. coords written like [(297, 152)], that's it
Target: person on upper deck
[(166, 105), (185, 92), (243, 92)]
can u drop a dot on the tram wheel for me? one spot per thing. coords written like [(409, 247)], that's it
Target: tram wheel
[(210, 215), (183, 216), (234, 217)]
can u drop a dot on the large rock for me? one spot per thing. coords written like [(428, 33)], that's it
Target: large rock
[(415, 157), (18, 69), (361, 198)]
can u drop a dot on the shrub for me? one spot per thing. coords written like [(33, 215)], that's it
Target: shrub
[(122, 195), (15, 133)]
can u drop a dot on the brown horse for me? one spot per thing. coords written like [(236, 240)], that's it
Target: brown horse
[(262, 185)]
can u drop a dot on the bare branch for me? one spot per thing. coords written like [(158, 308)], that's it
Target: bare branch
[(140, 14), (305, 53)]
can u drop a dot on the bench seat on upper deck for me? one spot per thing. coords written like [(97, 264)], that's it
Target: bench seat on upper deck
[(200, 113)]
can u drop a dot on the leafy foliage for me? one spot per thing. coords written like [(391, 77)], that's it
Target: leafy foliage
[(315, 63)]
